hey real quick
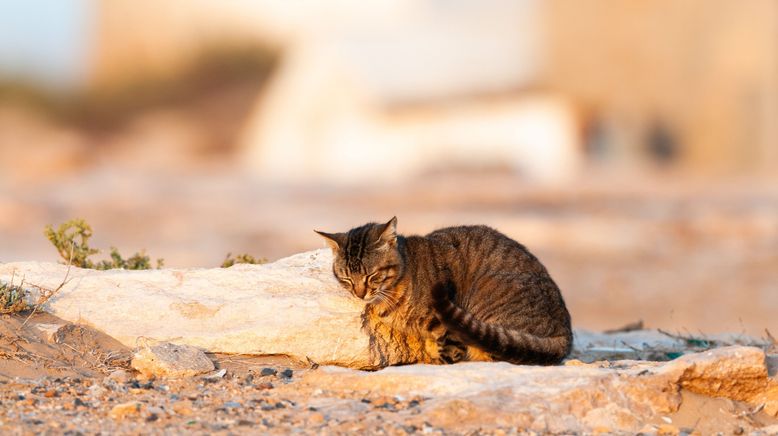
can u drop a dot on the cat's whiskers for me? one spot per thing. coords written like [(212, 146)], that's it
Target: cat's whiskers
[(387, 298)]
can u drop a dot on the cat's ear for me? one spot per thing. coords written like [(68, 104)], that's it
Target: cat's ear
[(389, 234), (334, 240)]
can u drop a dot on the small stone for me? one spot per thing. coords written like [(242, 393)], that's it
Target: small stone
[(183, 408), (668, 430), (216, 376), (232, 405), (315, 418), (128, 409), (264, 386), (96, 391), (78, 403), (170, 360), (268, 371), (49, 331), (118, 376), (137, 385), (287, 373), (155, 410), (51, 393)]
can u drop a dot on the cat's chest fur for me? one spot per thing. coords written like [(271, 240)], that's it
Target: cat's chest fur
[(404, 332)]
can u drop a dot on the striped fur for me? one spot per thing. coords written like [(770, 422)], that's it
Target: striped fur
[(459, 293), (501, 342)]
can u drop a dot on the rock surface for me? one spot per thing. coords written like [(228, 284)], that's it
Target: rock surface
[(293, 306), (621, 397), (617, 396), (166, 360)]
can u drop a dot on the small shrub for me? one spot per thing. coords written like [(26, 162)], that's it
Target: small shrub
[(138, 260), (71, 240), (241, 258), (12, 298)]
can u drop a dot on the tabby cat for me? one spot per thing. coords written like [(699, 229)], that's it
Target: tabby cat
[(458, 293)]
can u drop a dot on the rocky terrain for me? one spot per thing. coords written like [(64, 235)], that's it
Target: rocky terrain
[(120, 351)]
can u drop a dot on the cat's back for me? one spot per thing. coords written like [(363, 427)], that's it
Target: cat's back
[(482, 238), (483, 247)]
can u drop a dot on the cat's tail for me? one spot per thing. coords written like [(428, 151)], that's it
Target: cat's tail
[(503, 343)]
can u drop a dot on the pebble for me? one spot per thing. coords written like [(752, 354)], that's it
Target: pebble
[(287, 373), (118, 376), (124, 410), (183, 408), (232, 405), (264, 386), (96, 391), (268, 371), (316, 418), (171, 360), (667, 429), (156, 410)]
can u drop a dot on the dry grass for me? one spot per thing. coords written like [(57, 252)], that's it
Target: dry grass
[(12, 298), (229, 260)]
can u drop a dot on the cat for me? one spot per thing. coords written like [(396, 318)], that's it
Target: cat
[(457, 294)]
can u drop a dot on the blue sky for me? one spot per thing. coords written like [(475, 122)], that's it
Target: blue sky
[(45, 41)]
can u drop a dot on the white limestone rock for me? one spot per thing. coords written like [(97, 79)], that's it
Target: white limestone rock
[(166, 360), (292, 306), (617, 397)]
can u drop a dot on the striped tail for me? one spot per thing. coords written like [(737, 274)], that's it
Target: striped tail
[(503, 343)]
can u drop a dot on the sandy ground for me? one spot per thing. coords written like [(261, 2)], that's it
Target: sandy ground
[(79, 382)]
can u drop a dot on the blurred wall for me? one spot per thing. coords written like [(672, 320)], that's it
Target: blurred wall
[(145, 36), (690, 83), (699, 75), (435, 85)]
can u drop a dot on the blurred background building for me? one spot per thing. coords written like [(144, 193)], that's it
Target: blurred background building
[(392, 87), (633, 145)]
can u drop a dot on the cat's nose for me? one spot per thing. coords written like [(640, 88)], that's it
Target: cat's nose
[(360, 291)]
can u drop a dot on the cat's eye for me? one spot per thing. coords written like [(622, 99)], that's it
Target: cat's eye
[(372, 277)]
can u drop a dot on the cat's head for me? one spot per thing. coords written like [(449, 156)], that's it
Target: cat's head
[(366, 259)]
